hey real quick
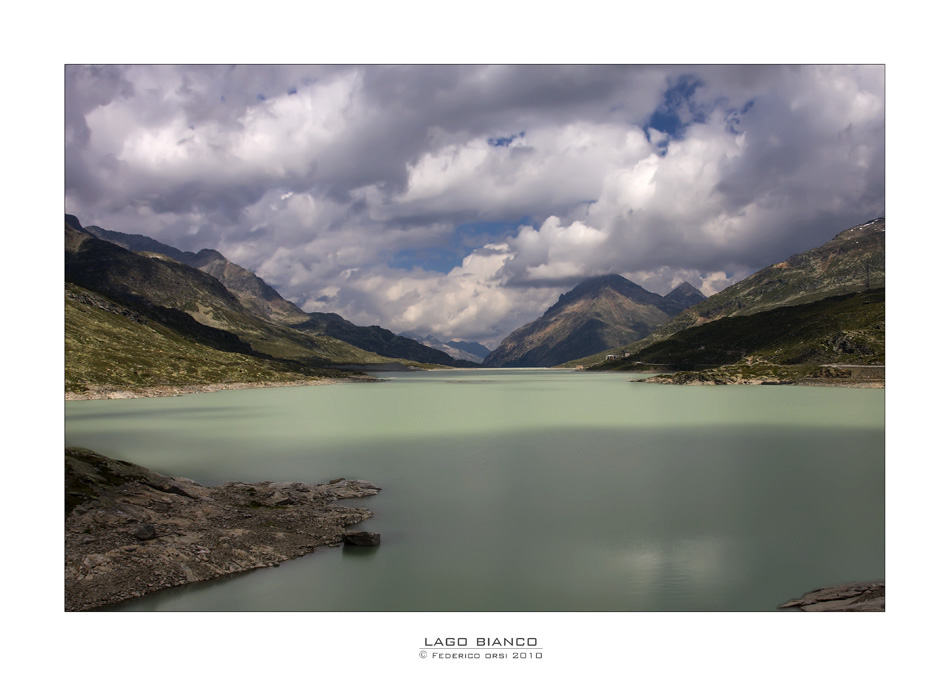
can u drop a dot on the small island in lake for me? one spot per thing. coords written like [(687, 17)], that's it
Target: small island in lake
[(131, 531)]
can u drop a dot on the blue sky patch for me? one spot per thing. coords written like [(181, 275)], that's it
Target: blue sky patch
[(678, 103), (470, 236), (465, 239), (504, 141)]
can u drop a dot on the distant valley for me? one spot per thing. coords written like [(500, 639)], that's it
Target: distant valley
[(141, 313), (458, 349)]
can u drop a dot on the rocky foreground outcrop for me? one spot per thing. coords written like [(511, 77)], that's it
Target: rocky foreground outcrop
[(130, 531), (852, 597)]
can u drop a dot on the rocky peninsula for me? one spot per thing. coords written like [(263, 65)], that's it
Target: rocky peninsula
[(851, 597), (131, 531)]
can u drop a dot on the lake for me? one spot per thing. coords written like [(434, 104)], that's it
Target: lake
[(535, 489)]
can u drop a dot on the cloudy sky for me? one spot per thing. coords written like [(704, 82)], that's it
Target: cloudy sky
[(462, 200)]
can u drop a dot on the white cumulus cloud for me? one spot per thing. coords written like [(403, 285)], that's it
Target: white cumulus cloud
[(462, 200)]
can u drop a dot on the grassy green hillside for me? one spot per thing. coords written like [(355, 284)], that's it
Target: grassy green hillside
[(843, 329), (108, 344)]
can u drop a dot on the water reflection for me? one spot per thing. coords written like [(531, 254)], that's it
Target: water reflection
[(350, 551)]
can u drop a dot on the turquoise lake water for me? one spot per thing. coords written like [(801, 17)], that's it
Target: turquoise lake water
[(534, 489)]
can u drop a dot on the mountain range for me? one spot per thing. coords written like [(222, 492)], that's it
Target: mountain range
[(851, 262), (250, 290), (599, 313), (263, 301), (141, 313), (816, 318)]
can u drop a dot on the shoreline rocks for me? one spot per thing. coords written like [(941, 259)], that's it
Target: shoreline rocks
[(869, 385), (116, 392), (850, 597), (130, 531), (754, 370), (704, 378)]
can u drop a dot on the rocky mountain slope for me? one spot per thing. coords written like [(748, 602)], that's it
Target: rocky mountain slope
[(147, 321), (853, 261), (262, 300), (599, 313), (250, 290), (787, 344), (477, 351), (111, 347), (190, 301)]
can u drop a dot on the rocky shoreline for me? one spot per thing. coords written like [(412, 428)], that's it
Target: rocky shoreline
[(757, 371), (130, 531), (694, 378), (851, 597), (115, 392)]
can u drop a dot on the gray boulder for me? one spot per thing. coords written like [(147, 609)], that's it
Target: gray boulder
[(145, 532), (361, 538)]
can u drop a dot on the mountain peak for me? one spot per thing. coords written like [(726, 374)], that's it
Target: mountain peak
[(600, 312), (868, 228), (604, 281), (684, 287), (596, 286), (75, 234), (682, 297), (74, 222)]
